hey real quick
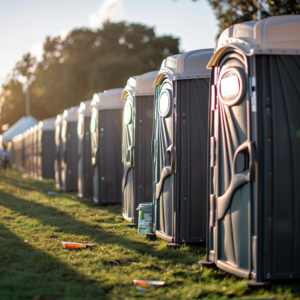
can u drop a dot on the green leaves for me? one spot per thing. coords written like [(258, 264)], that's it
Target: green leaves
[(83, 63), (230, 12)]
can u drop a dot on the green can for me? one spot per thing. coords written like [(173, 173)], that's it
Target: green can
[(145, 218)]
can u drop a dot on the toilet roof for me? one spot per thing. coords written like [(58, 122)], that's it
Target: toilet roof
[(275, 35)]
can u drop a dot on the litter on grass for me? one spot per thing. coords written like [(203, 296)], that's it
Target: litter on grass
[(25, 175), (52, 193), (72, 245), (140, 290), (148, 282)]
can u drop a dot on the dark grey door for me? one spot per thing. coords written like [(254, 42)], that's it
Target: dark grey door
[(278, 131), (110, 158), (191, 169), (143, 158)]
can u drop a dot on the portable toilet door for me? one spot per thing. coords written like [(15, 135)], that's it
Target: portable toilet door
[(253, 180), (128, 150), (69, 154), (46, 148), (85, 177), (94, 146), (58, 143), (140, 115), (107, 155), (180, 146)]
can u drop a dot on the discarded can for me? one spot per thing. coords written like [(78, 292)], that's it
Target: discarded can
[(72, 245), (145, 218)]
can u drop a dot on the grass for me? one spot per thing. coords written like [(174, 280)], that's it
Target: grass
[(41, 269)]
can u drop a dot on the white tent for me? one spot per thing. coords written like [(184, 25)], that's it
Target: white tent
[(19, 127)]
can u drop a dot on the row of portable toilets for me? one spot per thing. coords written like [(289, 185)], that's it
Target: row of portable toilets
[(209, 144)]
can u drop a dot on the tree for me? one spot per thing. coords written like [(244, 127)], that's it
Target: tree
[(230, 12), (87, 62), (12, 102)]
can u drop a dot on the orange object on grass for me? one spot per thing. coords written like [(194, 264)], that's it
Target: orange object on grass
[(72, 245), (148, 282)]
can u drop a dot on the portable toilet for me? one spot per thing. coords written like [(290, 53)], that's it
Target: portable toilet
[(85, 175), (253, 178), (46, 149), (69, 147), (136, 147), (57, 160), (180, 147), (31, 149), (23, 167), (27, 151), (17, 150), (35, 150), (106, 131)]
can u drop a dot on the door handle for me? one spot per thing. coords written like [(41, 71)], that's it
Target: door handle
[(128, 165), (169, 169), (238, 179)]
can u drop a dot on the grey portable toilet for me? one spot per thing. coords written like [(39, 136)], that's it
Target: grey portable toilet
[(85, 175), (136, 147), (179, 147), (17, 148), (106, 140), (69, 147), (254, 145), (35, 132), (46, 149), (31, 149), (27, 151), (57, 160)]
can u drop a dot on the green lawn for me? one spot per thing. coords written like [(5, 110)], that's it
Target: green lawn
[(41, 267)]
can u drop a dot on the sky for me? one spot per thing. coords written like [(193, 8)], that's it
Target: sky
[(24, 25)]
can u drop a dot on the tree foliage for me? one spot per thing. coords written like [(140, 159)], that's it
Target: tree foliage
[(230, 12), (85, 62)]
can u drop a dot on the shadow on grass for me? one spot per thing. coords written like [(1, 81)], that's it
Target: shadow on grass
[(49, 185), (64, 223), (27, 272)]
